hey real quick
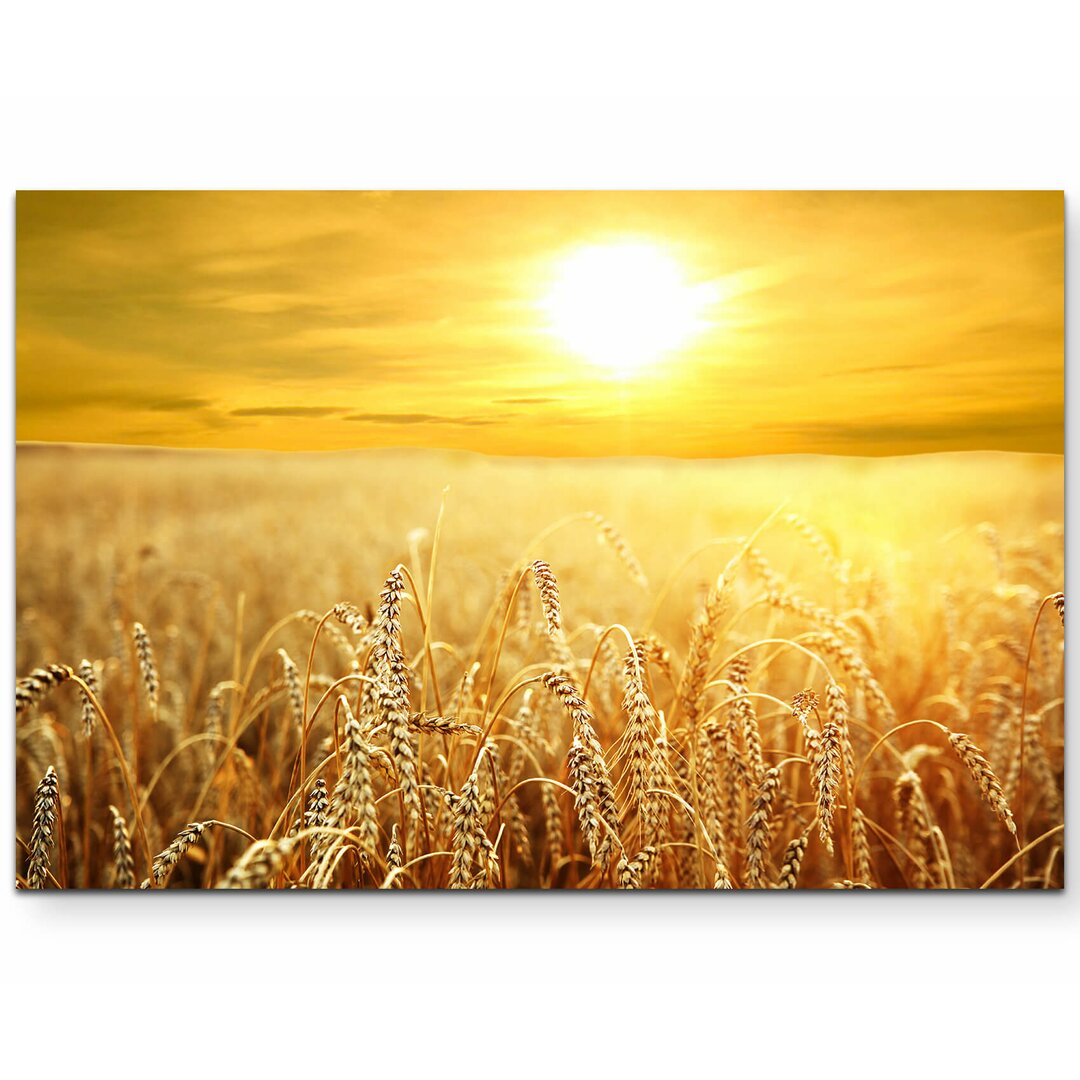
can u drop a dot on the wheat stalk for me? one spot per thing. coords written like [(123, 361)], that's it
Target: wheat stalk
[(594, 794), (742, 718), (792, 863), (30, 689), (147, 667), (861, 846), (641, 725), (827, 756), (984, 776), (395, 857), (553, 826), (621, 548), (470, 844), (629, 872), (757, 830), (351, 616), (291, 675), (46, 802), (548, 588), (166, 861), (392, 692), (913, 822), (353, 799), (258, 866), (441, 725), (122, 856), (89, 716), (315, 813)]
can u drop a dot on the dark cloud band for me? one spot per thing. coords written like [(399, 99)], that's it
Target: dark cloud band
[(289, 410)]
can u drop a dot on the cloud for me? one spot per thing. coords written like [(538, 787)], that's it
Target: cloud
[(947, 430), (527, 400), (1023, 331), (879, 369), (429, 418), (289, 410), (179, 404), (77, 396)]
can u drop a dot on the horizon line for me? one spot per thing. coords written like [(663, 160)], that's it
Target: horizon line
[(158, 448)]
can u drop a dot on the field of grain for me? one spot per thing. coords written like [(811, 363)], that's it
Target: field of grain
[(419, 669)]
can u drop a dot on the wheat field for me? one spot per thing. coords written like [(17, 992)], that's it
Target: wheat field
[(394, 669)]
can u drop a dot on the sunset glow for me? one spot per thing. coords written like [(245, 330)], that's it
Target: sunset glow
[(685, 324), (623, 306)]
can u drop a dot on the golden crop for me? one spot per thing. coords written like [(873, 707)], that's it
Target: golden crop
[(418, 669)]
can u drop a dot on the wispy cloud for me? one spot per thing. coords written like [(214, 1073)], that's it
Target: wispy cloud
[(179, 404), (950, 429), (289, 410), (429, 418), (527, 400), (63, 398)]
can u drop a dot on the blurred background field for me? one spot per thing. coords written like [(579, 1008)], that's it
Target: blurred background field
[(308, 530)]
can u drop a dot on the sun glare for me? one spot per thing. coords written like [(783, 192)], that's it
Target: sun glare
[(624, 306)]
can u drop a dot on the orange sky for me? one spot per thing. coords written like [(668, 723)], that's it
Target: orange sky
[(844, 322)]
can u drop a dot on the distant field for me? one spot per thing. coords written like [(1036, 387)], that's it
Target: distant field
[(909, 587)]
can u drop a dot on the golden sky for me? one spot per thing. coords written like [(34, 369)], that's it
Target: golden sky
[(842, 322)]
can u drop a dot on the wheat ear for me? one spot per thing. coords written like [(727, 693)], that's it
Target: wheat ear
[(984, 776), (122, 856), (30, 689), (147, 667), (165, 861), (46, 800), (548, 588)]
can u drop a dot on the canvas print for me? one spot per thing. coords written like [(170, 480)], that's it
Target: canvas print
[(539, 540)]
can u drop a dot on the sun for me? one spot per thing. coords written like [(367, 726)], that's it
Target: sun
[(623, 306)]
